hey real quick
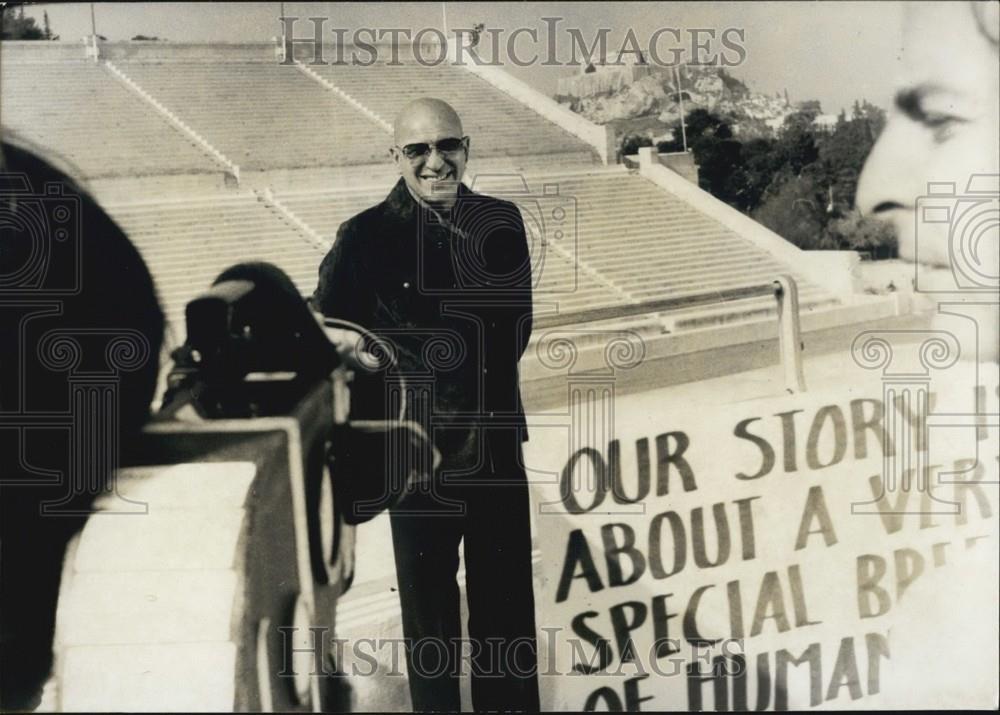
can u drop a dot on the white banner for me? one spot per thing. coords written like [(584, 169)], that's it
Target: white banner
[(768, 553)]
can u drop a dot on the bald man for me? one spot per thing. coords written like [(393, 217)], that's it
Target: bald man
[(444, 274)]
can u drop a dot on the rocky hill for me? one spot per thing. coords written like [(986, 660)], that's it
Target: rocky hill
[(645, 101)]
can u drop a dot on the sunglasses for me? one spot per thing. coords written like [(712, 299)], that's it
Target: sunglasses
[(451, 145)]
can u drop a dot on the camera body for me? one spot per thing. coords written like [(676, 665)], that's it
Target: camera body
[(208, 577), (970, 223), (217, 555)]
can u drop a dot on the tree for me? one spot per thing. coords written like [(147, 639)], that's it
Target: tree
[(865, 234), (795, 212), (797, 141), (800, 184), (751, 179), (15, 26), (632, 142), (842, 153), (717, 154)]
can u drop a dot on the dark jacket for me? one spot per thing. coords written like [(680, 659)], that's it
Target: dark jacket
[(452, 293)]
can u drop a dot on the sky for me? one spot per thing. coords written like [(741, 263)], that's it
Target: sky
[(835, 52)]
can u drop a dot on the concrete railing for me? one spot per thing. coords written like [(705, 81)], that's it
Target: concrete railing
[(680, 162), (816, 268), (201, 141), (313, 74), (601, 138)]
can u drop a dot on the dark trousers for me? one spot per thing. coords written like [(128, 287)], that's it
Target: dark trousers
[(497, 541)]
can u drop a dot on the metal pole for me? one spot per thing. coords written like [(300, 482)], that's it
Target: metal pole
[(93, 22), (680, 101), (284, 38), (790, 333)]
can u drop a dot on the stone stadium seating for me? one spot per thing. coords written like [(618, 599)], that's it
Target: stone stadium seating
[(81, 112), (498, 124), (668, 249), (263, 115), (632, 241), (187, 243), (664, 249), (557, 278)]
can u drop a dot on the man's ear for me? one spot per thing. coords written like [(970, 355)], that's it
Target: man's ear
[(395, 154)]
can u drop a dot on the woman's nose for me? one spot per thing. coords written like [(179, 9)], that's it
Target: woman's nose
[(887, 179)]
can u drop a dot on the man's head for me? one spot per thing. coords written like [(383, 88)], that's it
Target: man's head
[(942, 129), (430, 149)]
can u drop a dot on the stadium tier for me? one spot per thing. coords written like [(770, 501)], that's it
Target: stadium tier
[(620, 240), (666, 250), (498, 124), (81, 112), (262, 115), (557, 278), (188, 243)]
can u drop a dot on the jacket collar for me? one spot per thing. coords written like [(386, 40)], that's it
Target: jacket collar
[(402, 205)]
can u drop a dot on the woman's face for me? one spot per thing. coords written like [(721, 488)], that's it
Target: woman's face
[(942, 133)]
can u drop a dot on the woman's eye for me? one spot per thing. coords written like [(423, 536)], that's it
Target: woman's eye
[(935, 121), (942, 125), (932, 111)]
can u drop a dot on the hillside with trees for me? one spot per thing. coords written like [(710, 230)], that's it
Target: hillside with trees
[(800, 182), (788, 165)]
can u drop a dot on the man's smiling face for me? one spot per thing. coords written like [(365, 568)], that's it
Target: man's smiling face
[(433, 176)]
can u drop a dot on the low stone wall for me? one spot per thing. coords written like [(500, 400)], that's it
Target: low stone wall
[(683, 164), (39, 51), (17, 51), (126, 189), (188, 51)]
